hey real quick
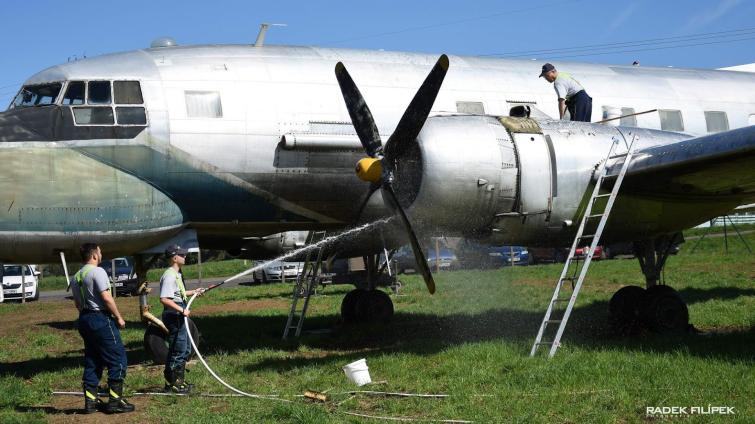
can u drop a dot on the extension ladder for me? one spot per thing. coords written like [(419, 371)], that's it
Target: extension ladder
[(306, 283), (576, 275)]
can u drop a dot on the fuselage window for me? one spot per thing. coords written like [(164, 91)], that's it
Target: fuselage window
[(93, 115), (131, 115), (74, 93), (716, 121), (37, 95), (99, 93), (203, 104), (127, 93), (476, 108), (627, 121), (671, 120)]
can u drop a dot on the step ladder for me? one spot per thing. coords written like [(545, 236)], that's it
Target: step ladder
[(306, 284), (574, 272)]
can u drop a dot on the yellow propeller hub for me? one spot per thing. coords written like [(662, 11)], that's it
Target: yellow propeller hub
[(370, 170)]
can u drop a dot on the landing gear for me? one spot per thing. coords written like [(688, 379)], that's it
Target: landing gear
[(664, 311), (625, 312), (367, 303), (659, 307), (361, 305)]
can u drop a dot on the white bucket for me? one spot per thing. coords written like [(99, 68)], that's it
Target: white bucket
[(358, 372)]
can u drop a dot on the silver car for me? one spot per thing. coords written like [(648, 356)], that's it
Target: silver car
[(276, 271)]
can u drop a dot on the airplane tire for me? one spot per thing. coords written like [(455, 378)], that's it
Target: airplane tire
[(349, 305), (664, 310), (625, 309), (375, 306), (156, 342)]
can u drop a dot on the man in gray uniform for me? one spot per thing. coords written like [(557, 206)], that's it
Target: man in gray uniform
[(173, 296), (571, 94), (99, 323)]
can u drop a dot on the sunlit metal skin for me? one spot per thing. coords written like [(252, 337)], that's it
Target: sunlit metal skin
[(237, 176)]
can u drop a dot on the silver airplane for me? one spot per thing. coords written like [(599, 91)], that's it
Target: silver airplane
[(236, 143)]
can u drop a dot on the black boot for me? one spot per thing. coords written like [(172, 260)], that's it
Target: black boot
[(92, 402), (117, 404), (174, 381), (181, 378)]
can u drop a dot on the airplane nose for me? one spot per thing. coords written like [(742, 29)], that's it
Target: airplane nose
[(29, 124), (53, 197)]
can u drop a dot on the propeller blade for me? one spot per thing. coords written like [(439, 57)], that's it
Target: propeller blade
[(373, 188), (360, 114), (419, 257), (415, 115)]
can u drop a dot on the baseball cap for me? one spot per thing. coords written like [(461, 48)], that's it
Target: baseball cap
[(547, 68), (174, 250)]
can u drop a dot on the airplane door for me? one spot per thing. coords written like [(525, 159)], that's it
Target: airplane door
[(536, 173)]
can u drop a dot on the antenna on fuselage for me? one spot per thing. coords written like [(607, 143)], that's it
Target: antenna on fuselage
[(263, 30)]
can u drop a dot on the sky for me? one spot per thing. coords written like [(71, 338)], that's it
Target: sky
[(692, 33)]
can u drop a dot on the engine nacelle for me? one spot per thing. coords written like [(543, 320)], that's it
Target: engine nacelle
[(460, 175)]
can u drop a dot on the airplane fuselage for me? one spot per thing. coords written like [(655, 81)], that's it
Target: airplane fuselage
[(239, 141)]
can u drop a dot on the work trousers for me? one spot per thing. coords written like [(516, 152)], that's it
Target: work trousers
[(580, 107), (103, 347), (179, 348)]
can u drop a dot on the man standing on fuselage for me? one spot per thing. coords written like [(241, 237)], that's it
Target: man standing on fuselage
[(571, 95)]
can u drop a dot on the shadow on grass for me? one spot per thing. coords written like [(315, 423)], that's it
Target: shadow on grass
[(693, 295), (72, 359), (421, 334), (50, 410)]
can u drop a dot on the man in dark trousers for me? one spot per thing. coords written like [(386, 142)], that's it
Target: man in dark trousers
[(173, 296), (571, 94), (99, 323)]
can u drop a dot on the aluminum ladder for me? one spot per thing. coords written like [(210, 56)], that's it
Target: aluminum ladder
[(576, 274), (305, 285)]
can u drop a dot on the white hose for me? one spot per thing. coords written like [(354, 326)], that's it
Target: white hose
[(201, 359)]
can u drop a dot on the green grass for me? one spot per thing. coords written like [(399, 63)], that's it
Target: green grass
[(470, 340)]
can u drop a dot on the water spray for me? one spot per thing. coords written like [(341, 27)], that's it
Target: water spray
[(290, 254)]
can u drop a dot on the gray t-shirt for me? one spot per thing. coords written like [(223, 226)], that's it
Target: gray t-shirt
[(94, 283), (566, 86), (169, 285)]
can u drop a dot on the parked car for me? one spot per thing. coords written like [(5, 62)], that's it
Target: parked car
[(406, 263), (539, 255), (626, 249), (597, 254), (125, 281), (506, 255), (278, 271), (12, 279)]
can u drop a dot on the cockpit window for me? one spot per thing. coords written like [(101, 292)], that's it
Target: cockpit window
[(74, 93), (37, 95), (127, 109), (99, 93), (93, 115), (127, 93)]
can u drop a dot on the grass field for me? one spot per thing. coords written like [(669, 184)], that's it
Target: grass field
[(470, 340)]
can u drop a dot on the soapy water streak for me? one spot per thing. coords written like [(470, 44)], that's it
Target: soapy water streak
[(305, 249), (322, 243)]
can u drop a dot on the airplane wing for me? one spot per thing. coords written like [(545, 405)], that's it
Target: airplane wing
[(719, 167)]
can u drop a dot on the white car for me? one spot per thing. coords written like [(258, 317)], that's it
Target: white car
[(12, 279), (276, 271)]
